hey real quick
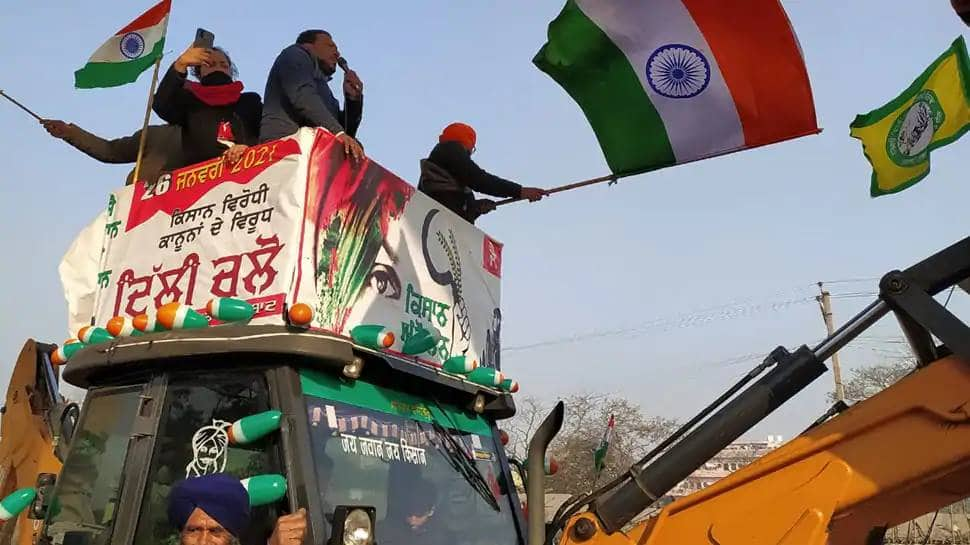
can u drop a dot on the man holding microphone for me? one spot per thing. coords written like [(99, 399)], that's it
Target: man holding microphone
[(298, 93)]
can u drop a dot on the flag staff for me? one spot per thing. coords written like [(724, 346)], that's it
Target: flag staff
[(148, 114), (612, 178), (582, 183), (22, 107)]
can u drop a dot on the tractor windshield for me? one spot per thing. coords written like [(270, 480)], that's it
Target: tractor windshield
[(432, 472), (89, 487)]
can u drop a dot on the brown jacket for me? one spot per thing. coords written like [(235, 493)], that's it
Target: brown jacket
[(163, 149)]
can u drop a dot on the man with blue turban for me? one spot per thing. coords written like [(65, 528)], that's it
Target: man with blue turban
[(214, 510)]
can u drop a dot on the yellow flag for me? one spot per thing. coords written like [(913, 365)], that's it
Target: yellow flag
[(934, 111)]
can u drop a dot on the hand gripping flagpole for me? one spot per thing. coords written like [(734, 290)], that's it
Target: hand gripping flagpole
[(612, 178)]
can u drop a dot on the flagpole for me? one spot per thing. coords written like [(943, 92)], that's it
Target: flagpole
[(148, 114), (612, 178), (567, 187), (21, 106)]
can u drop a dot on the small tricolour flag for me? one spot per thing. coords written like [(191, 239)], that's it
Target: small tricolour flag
[(664, 82), (933, 112), (599, 455), (128, 53)]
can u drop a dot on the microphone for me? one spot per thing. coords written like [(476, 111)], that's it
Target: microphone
[(342, 63)]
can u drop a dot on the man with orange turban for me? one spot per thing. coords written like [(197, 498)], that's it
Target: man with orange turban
[(450, 177)]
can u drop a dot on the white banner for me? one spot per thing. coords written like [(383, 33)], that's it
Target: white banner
[(294, 221)]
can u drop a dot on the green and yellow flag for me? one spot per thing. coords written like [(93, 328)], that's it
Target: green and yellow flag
[(934, 111)]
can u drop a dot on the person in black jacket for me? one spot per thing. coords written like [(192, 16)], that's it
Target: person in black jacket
[(216, 117), (450, 177), (163, 147)]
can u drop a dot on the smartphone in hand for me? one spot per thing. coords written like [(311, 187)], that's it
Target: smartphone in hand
[(204, 38)]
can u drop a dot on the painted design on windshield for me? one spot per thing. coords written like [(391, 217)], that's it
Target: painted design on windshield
[(210, 446)]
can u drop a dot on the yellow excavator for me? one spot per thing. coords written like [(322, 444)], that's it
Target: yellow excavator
[(851, 475), (36, 424)]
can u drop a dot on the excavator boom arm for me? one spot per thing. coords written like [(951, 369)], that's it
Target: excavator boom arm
[(886, 460), (889, 459)]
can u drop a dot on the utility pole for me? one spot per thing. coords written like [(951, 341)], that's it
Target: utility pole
[(825, 304)]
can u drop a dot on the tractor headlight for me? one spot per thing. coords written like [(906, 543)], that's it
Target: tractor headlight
[(353, 525), (358, 529)]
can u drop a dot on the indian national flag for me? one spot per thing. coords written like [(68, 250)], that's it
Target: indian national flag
[(934, 111), (128, 53), (664, 82), (599, 455)]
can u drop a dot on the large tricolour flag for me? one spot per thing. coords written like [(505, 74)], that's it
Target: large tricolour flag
[(664, 82), (128, 53)]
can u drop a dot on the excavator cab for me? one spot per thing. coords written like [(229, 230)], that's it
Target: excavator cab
[(357, 430)]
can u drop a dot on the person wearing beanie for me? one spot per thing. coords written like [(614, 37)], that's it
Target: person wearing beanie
[(214, 510), (450, 176)]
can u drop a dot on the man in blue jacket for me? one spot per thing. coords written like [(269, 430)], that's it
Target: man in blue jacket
[(298, 93)]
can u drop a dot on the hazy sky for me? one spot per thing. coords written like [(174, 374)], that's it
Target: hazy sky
[(699, 270)]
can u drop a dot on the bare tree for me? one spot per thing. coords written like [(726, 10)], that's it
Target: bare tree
[(530, 412), (866, 381), (586, 418)]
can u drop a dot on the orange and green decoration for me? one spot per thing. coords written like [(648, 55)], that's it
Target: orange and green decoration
[(460, 365), (254, 427), (93, 335), (264, 489), (122, 326), (148, 323), (15, 503), (228, 309), (487, 376), (179, 316), (374, 336), (65, 351)]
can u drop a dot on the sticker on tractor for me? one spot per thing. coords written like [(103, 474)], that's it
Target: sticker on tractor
[(210, 446)]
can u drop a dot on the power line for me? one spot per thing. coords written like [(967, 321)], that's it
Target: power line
[(704, 317), (701, 317), (850, 280), (854, 295)]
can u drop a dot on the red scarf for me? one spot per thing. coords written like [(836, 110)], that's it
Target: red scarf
[(216, 95)]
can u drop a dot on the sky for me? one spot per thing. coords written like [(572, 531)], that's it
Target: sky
[(664, 288)]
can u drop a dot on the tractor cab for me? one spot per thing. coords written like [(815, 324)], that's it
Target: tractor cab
[(356, 429), (317, 328)]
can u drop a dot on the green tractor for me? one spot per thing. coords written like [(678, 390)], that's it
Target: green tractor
[(315, 420)]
